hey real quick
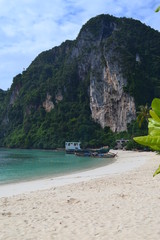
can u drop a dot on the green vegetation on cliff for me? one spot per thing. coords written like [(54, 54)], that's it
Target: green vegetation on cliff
[(61, 76)]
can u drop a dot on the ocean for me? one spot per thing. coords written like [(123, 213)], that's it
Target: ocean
[(18, 165)]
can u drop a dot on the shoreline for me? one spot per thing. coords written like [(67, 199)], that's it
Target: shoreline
[(50, 176), (123, 163)]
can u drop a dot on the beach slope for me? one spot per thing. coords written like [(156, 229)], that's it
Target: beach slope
[(119, 201)]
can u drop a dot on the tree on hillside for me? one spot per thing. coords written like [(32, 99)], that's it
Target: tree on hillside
[(143, 115)]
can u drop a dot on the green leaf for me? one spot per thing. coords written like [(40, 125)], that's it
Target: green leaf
[(153, 122), (153, 127), (154, 115), (154, 131), (150, 141), (153, 139), (156, 106), (157, 171), (158, 9)]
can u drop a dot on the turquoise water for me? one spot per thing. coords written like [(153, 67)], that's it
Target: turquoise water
[(21, 165)]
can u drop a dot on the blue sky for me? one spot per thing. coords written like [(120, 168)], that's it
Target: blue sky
[(29, 27)]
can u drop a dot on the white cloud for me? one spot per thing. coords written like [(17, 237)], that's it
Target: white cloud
[(29, 27)]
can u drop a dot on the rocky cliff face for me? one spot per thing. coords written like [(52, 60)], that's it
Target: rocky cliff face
[(110, 105), (14, 95), (48, 104)]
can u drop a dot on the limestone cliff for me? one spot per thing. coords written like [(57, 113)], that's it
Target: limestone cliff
[(48, 104), (110, 105)]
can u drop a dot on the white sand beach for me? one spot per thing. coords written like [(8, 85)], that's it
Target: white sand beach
[(119, 201)]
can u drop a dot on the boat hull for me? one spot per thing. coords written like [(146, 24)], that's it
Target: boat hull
[(96, 155)]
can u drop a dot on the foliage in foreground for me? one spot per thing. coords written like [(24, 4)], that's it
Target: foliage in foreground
[(152, 140), (158, 9)]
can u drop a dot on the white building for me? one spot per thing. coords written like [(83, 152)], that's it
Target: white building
[(72, 146)]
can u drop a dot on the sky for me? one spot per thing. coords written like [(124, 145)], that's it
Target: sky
[(28, 27)]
